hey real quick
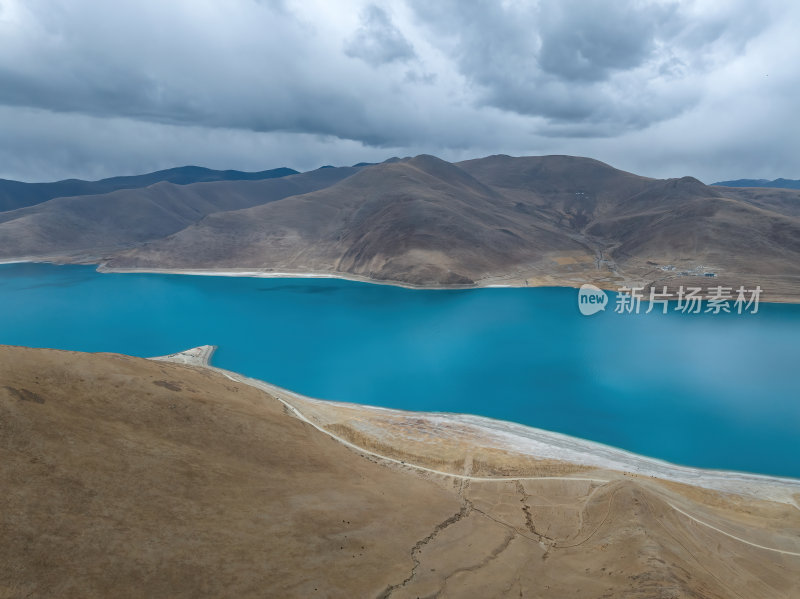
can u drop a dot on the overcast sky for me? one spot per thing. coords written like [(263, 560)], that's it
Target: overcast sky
[(93, 88)]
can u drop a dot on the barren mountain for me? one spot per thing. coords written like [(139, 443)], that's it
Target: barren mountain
[(125, 477), (88, 227), (637, 225), (422, 221), (548, 220), (525, 221), (16, 194)]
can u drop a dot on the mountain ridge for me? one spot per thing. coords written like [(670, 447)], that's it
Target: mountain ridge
[(422, 221), (87, 227), (19, 194), (776, 183)]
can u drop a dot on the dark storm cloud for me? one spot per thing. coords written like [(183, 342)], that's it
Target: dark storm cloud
[(242, 65), (170, 67), (377, 41), (95, 88), (591, 67), (589, 40)]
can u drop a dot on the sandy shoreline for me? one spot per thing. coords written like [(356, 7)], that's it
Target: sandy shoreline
[(494, 282), (259, 274), (537, 443)]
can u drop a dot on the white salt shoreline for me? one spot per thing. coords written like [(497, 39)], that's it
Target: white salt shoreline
[(261, 274), (539, 443), (479, 284)]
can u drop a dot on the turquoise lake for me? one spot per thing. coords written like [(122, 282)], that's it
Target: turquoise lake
[(716, 391)]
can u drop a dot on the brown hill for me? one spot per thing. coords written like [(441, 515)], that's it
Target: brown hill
[(124, 477), (547, 220), (16, 194), (569, 190), (421, 221), (524, 221), (88, 227), (637, 225)]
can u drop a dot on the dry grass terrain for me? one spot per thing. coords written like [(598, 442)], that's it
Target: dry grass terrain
[(124, 477)]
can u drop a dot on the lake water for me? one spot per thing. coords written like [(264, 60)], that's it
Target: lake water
[(715, 391)]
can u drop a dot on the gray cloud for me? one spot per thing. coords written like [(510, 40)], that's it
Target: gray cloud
[(590, 67), (240, 65), (168, 65), (93, 88), (588, 40), (378, 41)]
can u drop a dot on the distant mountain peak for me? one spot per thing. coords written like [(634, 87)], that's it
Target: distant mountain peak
[(16, 194), (779, 183)]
